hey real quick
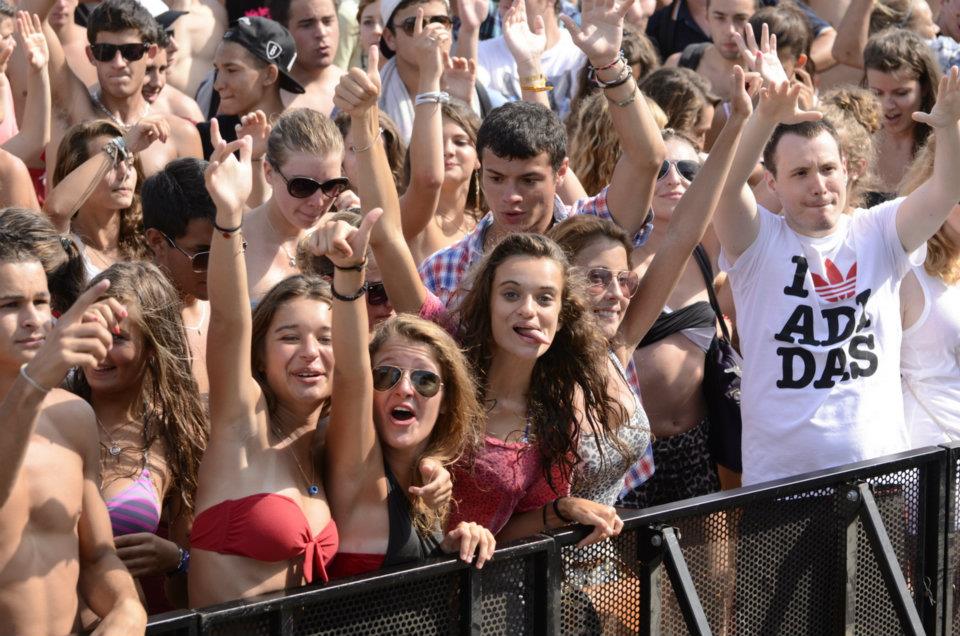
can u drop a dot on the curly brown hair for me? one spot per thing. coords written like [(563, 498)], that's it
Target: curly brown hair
[(575, 365), (169, 404), (458, 429), (74, 150), (856, 115)]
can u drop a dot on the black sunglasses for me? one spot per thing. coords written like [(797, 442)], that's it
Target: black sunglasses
[(426, 383), (200, 261), (376, 293), (687, 169), (410, 23), (131, 52), (303, 187), (599, 279)]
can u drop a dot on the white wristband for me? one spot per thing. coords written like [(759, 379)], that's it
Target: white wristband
[(436, 97)]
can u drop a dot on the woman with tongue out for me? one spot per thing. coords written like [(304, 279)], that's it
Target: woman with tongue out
[(418, 401)]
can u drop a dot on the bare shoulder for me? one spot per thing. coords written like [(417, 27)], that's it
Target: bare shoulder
[(182, 106), (70, 418)]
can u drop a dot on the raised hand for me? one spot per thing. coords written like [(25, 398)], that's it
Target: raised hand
[(761, 58), (430, 44), (946, 110), (526, 46), (472, 13), (437, 486), (229, 180), (82, 337), (359, 90), (256, 126), (30, 32), (343, 244), (779, 103), (745, 86), (459, 77), (146, 131), (469, 538), (602, 31)]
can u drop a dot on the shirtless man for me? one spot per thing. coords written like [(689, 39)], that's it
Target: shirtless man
[(197, 34), (73, 39), (162, 96), (314, 27), (55, 538), (120, 57)]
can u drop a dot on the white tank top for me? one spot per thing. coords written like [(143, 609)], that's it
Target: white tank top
[(929, 365)]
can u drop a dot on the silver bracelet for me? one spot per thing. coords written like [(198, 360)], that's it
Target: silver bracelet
[(368, 146), (31, 381), (435, 97), (116, 149)]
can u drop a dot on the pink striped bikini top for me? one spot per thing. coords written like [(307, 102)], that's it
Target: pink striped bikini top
[(136, 508)]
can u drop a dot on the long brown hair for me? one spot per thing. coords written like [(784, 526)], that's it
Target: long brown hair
[(73, 151), (943, 254), (290, 288), (169, 403), (457, 430), (574, 366)]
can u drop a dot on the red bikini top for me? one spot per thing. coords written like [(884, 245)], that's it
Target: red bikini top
[(265, 527)]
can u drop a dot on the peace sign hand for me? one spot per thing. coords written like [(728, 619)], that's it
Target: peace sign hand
[(229, 180)]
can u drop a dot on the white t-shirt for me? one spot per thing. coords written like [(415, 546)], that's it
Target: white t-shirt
[(496, 69), (819, 325), (930, 365)]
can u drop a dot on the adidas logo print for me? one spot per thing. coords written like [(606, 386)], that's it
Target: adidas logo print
[(836, 286)]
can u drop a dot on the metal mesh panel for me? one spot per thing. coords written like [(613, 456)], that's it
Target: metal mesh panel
[(898, 499), (423, 607), (953, 525), (600, 592), (506, 602)]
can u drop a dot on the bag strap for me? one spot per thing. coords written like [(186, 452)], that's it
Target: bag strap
[(707, 271), (926, 409)]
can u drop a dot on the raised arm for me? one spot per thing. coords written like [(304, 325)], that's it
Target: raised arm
[(354, 461), (68, 90), (71, 193), (34, 134), (233, 391), (690, 220), (81, 338), (925, 209), (631, 189), (16, 186), (853, 33), (472, 13), (527, 47), (357, 96), (426, 143)]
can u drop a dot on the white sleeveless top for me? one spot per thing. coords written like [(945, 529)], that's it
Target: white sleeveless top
[(929, 365)]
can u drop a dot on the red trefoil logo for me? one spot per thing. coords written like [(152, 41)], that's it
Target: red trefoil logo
[(836, 286)]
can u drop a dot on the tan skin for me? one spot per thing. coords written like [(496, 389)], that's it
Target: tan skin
[(315, 30), (900, 95), (120, 82), (54, 529), (197, 35)]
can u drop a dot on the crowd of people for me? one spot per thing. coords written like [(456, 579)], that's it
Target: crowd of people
[(298, 291)]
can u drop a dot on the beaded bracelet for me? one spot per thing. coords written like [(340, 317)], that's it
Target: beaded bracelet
[(348, 298), (625, 74), (620, 58), (353, 268), (629, 100)]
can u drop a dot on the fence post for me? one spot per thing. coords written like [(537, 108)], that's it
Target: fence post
[(649, 558), (849, 506), (931, 589), (471, 593), (950, 534)]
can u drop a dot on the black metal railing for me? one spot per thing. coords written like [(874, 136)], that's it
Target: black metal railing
[(868, 548)]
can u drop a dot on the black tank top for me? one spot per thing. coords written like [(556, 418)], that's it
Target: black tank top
[(406, 544)]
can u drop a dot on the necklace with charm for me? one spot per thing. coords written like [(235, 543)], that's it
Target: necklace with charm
[(313, 489), (106, 111), (283, 243)]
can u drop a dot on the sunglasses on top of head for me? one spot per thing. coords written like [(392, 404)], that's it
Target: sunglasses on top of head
[(599, 279), (104, 52), (410, 24), (426, 383), (686, 168), (305, 187)]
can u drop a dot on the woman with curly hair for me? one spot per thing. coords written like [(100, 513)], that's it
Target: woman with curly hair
[(901, 71), (686, 99), (930, 302), (151, 422), (855, 114), (96, 184)]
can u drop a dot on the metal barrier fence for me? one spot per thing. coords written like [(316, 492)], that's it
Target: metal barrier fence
[(868, 548)]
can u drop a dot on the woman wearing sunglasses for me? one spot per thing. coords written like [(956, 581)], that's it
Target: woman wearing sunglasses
[(303, 166), (96, 183), (418, 401), (152, 429), (670, 358)]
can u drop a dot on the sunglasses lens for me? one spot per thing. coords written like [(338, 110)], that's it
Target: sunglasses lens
[(688, 169), (200, 261), (427, 383), (664, 169), (599, 277), (441, 19), (132, 52), (103, 52), (301, 187), (376, 294), (629, 283), (385, 378), (334, 187)]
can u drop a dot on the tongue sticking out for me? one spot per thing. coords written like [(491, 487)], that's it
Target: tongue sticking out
[(533, 335)]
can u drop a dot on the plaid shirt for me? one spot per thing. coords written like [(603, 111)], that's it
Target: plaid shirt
[(443, 271), (643, 469)]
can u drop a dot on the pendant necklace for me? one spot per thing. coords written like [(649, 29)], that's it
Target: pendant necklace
[(283, 243), (313, 489), (114, 448), (99, 104)]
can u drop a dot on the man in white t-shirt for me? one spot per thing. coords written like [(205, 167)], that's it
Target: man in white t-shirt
[(817, 291), (561, 61)]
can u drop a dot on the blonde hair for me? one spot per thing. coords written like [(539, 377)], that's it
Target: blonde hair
[(943, 254), (303, 130), (457, 431), (855, 114)]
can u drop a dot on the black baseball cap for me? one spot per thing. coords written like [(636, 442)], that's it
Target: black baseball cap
[(167, 18), (269, 41)]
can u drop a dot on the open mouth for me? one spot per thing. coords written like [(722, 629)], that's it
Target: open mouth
[(402, 415), (606, 314), (531, 335)]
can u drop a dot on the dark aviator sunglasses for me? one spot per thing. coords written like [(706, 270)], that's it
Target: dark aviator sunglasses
[(410, 24), (687, 169), (426, 383)]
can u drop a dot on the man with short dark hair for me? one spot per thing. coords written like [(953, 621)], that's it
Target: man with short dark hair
[(522, 151), (817, 290), (122, 38), (178, 216)]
